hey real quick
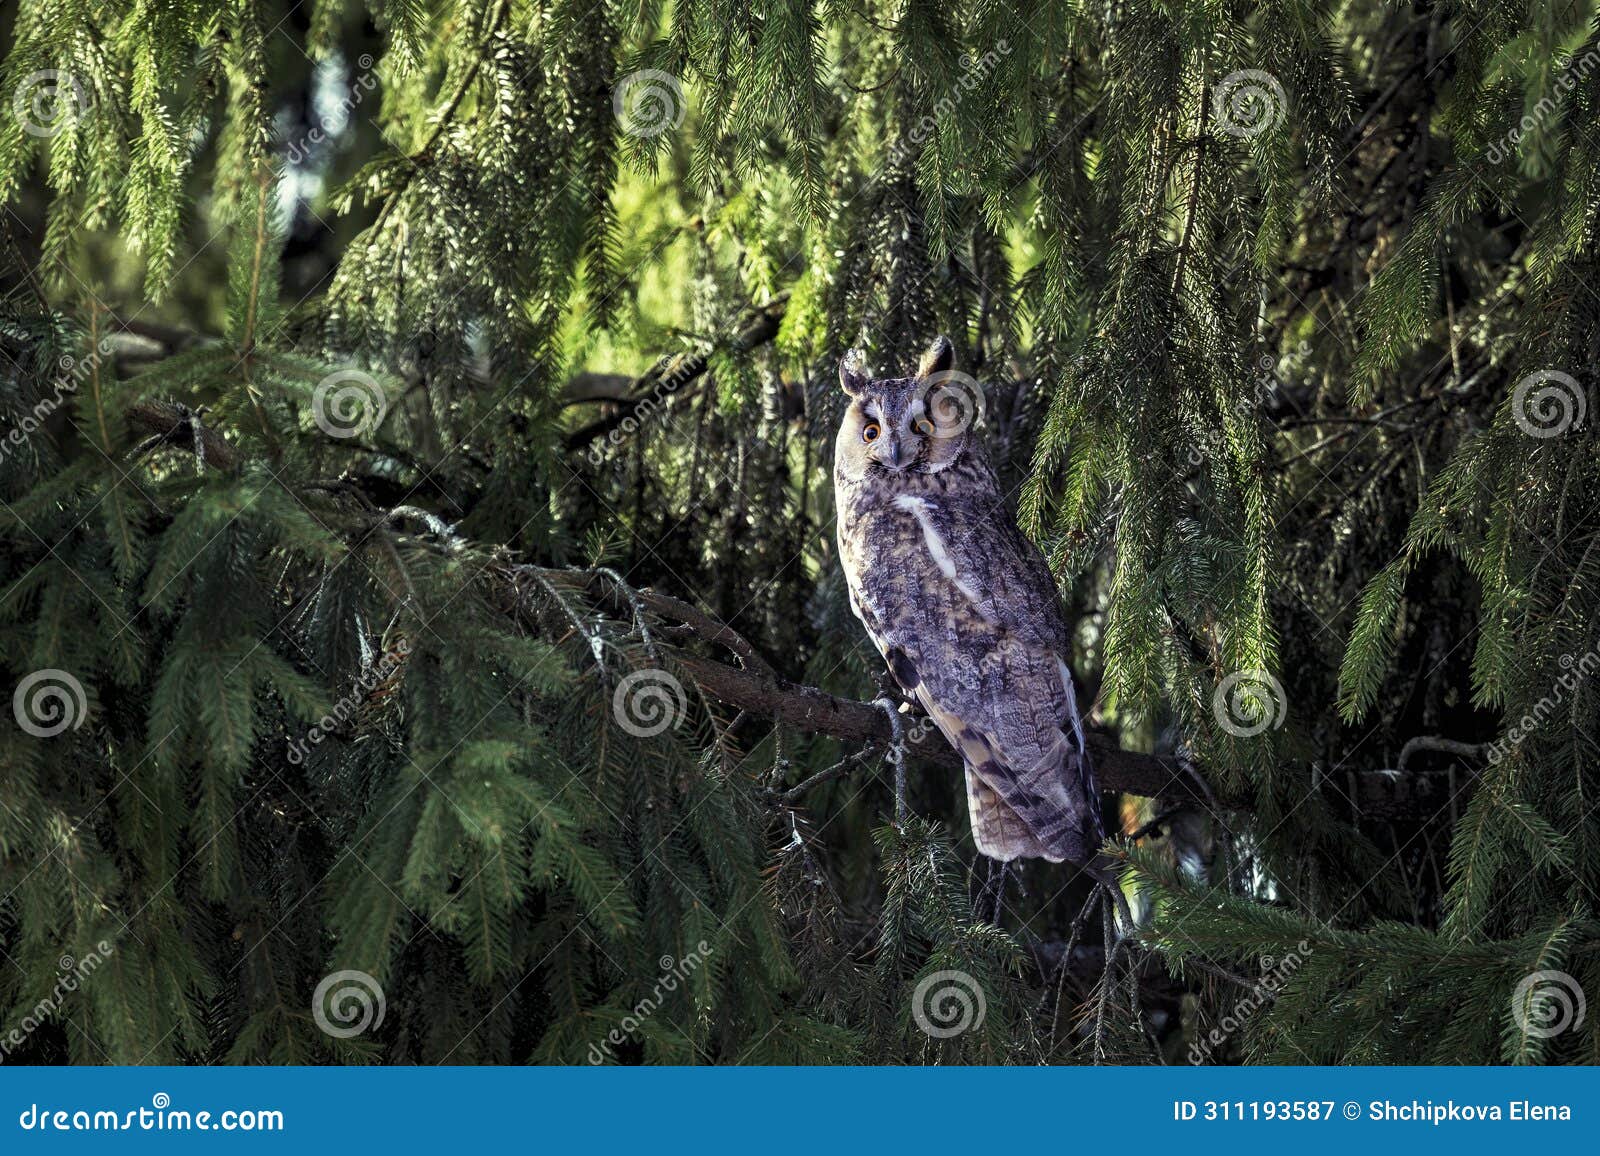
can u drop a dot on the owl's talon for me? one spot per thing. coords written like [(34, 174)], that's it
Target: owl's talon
[(889, 689)]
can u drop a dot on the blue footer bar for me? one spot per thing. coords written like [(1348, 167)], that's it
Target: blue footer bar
[(663, 1111)]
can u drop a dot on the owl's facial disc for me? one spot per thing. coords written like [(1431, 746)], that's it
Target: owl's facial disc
[(896, 433), (904, 425)]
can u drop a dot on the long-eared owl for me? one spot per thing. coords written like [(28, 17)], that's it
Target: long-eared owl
[(963, 607)]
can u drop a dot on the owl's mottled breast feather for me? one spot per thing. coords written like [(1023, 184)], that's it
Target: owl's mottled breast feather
[(964, 610), (891, 537)]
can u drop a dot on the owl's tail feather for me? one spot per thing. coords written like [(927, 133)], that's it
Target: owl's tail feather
[(998, 830), (1050, 812)]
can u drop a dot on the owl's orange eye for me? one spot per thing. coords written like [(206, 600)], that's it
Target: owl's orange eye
[(923, 426), (870, 431)]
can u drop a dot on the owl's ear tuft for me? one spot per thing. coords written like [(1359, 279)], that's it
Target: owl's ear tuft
[(940, 357), (853, 375)]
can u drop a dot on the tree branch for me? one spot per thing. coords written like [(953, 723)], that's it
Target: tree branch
[(754, 685), (670, 375), (169, 422), (756, 688)]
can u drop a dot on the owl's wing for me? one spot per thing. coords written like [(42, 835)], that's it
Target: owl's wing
[(978, 639)]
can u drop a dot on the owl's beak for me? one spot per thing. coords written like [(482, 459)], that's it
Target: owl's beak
[(890, 453)]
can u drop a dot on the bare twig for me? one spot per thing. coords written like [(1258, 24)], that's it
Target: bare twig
[(1434, 743), (839, 769), (672, 374), (897, 756)]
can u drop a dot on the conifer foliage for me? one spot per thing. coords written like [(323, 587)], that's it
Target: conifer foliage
[(418, 603)]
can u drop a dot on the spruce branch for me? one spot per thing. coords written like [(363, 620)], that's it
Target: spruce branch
[(170, 423), (671, 375), (754, 686)]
